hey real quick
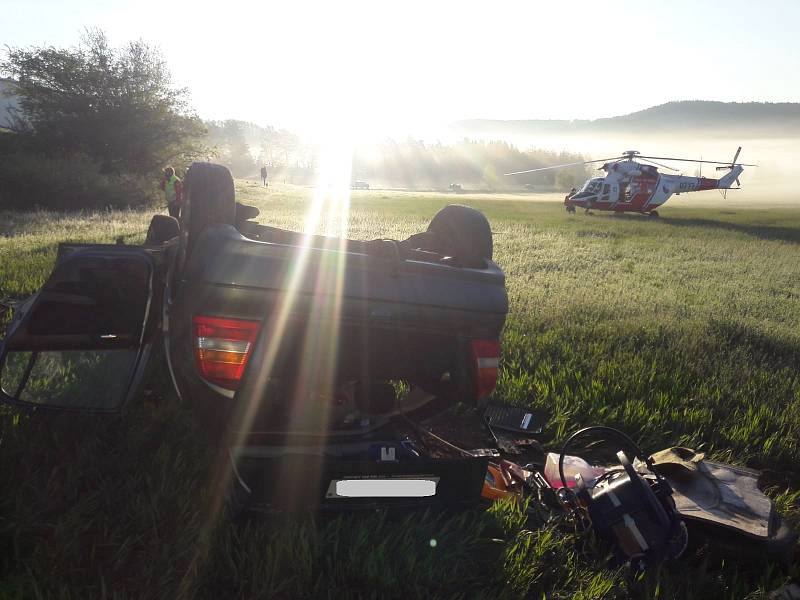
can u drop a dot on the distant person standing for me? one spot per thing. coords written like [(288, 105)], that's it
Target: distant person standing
[(264, 175), (173, 191)]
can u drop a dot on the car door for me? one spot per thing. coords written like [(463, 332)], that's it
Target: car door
[(83, 341)]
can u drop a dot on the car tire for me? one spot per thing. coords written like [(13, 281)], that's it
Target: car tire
[(209, 199), (463, 233), (162, 229)]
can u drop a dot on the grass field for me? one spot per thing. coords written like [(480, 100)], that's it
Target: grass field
[(682, 330)]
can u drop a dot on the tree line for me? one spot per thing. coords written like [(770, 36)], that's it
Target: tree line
[(96, 124), (245, 147)]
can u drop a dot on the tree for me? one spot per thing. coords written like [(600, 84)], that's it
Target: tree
[(230, 146), (565, 181), (117, 106), (490, 177)]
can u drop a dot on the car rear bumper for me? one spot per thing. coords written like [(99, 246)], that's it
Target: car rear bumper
[(298, 478)]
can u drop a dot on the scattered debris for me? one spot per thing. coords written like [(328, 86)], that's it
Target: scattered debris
[(723, 505), (573, 466), (649, 509), (632, 511), (514, 418), (505, 479)]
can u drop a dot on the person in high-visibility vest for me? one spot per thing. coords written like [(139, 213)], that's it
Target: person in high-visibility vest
[(173, 191), (567, 200)]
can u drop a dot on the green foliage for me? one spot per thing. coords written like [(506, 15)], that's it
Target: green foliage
[(118, 106), (235, 143), (566, 181), (228, 142), (490, 178), (415, 164), (679, 331), (95, 125), (411, 164), (32, 180)]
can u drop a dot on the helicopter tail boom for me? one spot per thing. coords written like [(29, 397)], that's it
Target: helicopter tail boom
[(725, 182)]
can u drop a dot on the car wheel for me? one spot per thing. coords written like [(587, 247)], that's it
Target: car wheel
[(162, 229), (463, 233), (210, 199)]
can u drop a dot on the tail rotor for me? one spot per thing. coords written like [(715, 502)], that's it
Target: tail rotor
[(730, 167)]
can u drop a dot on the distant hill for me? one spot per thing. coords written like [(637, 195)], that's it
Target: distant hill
[(726, 119)]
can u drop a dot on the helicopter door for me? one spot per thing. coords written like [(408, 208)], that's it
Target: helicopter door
[(606, 193)]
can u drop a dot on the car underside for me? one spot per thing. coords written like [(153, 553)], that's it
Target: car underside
[(304, 358)]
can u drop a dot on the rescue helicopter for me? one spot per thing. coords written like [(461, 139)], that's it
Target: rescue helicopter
[(630, 185)]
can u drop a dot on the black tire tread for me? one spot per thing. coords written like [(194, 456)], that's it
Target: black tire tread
[(210, 197), (162, 229), (464, 233)]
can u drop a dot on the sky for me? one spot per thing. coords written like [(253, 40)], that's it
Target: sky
[(387, 66)]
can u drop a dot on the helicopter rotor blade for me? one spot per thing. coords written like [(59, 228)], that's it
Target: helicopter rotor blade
[(659, 164), (585, 162), (713, 162)]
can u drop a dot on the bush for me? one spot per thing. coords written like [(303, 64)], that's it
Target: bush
[(29, 181), (117, 105)]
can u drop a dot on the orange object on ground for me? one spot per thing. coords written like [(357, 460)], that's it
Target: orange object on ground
[(502, 480)]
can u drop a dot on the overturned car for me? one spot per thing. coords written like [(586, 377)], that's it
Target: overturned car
[(292, 349)]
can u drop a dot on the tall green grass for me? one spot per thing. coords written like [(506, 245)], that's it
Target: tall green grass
[(682, 330)]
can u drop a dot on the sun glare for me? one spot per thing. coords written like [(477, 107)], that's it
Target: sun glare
[(313, 279)]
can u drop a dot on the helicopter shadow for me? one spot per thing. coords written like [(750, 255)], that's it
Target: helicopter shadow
[(764, 232)]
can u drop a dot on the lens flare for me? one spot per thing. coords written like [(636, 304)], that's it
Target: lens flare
[(314, 281)]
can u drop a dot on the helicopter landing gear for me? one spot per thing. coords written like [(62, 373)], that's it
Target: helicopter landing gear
[(654, 214), (570, 209)]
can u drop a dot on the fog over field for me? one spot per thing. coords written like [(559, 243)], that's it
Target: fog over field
[(776, 179)]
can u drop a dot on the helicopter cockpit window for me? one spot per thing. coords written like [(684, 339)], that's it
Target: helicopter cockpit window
[(592, 186)]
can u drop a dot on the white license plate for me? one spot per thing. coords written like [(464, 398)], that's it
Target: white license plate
[(394, 487)]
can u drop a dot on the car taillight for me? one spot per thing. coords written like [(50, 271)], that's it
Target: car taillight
[(486, 360), (222, 347)]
